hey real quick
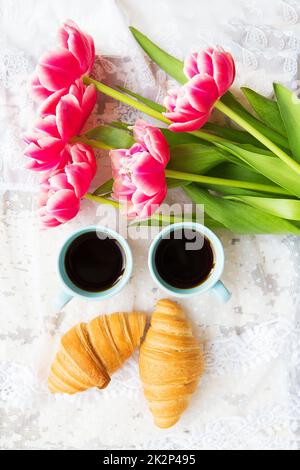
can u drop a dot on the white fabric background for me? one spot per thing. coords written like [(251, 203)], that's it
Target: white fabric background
[(249, 397)]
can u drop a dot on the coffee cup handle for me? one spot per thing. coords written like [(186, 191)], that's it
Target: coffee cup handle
[(221, 291), (61, 300)]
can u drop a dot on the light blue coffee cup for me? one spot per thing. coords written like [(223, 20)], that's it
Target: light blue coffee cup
[(212, 283), (70, 290)]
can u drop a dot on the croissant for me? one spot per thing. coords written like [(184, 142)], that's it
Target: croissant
[(90, 352), (171, 363)]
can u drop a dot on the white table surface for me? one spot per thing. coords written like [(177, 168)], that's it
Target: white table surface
[(249, 396)]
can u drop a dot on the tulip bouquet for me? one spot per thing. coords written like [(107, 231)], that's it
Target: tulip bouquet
[(247, 178)]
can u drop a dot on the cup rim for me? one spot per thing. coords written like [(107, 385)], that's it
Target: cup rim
[(213, 278), (75, 291)]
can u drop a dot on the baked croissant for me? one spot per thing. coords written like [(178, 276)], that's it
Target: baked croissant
[(90, 352), (171, 363)]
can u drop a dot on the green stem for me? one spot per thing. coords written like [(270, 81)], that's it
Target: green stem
[(209, 180), (201, 134), (264, 140), (117, 95), (179, 175), (103, 200), (106, 90), (158, 217)]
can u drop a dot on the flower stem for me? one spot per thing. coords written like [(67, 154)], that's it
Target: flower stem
[(225, 182), (157, 216), (106, 90), (103, 200), (179, 175), (201, 134), (260, 137)]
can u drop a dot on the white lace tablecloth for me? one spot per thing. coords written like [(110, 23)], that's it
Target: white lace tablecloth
[(249, 397)]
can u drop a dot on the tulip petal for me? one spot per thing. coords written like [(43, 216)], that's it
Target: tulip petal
[(59, 181), (116, 156), (189, 126), (157, 145), (47, 126), (58, 69), (202, 93), (63, 205), (48, 106), (80, 44), (147, 207), (79, 176), (190, 67), (38, 92), (205, 62), (81, 153), (153, 139), (224, 70), (47, 149), (147, 174), (35, 165), (123, 189), (47, 220), (68, 117), (89, 101)]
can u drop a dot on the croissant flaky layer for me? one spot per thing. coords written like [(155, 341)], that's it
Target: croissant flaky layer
[(90, 352), (171, 363)]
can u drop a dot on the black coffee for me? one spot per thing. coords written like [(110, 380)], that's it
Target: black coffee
[(185, 259), (94, 264)]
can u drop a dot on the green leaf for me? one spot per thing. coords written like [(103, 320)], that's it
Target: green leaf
[(240, 173), (237, 217), (195, 158), (284, 208), (109, 135), (168, 63), (172, 183), (266, 109), (253, 148), (121, 125), (235, 135), (178, 138), (289, 106), (232, 103), (162, 220), (271, 167), (104, 189)]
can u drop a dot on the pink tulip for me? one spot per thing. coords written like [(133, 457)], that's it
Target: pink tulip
[(64, 118), (45, 148), (82, 170), (216, 63), (190, 106), (210, 73), (152, 138), (57, 70), (86, 97), (71, 109), (139, 173), (62, 189), (58, 207), (80, 44)]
